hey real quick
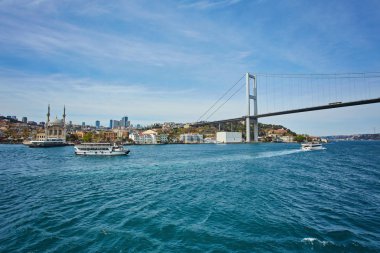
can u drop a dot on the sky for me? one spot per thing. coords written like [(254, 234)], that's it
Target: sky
[(164, 61)]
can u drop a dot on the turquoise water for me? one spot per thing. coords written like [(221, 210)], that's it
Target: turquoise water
[(192, 198)]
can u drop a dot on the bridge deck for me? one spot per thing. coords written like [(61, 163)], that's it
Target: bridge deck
[(307, 109)]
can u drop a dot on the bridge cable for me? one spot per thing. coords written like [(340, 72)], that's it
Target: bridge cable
[(266, 93), (226, 101), (220, 98)]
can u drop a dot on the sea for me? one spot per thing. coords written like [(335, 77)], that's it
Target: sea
[(192, 198)]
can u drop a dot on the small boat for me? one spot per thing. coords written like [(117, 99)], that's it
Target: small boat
[(47, 143), (311, 146), (105, 149)]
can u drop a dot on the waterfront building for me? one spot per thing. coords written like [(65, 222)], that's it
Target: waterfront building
[(191, 138), (54, 129), (147, 137), (287, 138), (121, 133), (24, 119), (134, 137), (163, 138), (229, 137), (97, 124), (110, 135), (209, 140), (40, 136)]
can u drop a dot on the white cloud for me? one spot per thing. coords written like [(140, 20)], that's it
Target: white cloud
[(89, 98)]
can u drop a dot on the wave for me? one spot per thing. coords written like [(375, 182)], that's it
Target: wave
[(277, 153), (315, 241)]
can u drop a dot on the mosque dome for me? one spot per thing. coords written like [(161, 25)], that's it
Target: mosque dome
[(56, 122)]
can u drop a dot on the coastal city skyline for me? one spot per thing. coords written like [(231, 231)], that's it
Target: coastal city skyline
[(105, 60), (189, 126)]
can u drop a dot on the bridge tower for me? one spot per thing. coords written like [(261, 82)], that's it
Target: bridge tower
[(248, 78)]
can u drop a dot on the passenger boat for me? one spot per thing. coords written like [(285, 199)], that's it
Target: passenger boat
[(105, 149), (311, 146), (47, 143)]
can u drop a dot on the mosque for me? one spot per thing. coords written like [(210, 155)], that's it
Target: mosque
[(55, 129)]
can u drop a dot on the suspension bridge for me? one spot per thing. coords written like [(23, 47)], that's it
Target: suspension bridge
[(295, 93)]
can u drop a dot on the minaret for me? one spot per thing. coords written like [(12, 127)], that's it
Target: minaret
[(64, 123), (47, 123)]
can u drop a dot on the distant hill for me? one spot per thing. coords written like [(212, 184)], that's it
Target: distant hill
[(354, 137)]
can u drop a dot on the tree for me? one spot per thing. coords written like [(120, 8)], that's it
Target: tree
[(299, 138), (87, 137), (71, 137)]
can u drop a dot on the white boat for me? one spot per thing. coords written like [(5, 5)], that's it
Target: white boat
[(311, 146), (47, 143), (106, 149)]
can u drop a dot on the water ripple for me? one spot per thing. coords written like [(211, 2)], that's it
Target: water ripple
[(192, 198)]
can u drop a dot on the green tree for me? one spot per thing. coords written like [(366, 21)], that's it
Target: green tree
[(87, 137), (299, 138)]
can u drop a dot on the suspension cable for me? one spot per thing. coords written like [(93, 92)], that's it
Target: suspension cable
[(220, 98), (226, 101)]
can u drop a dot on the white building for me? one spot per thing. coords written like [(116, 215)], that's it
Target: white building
[(287, 138), (134, 137), (163, 138), (229, 137), (147, 137), (191, 138)]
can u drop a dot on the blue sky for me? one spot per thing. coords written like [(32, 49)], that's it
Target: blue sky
[(158, 61)]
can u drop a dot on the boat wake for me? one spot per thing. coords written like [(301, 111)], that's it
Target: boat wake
[(277, 153)]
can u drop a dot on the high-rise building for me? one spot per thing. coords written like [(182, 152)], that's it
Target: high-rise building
[(24, 119), (83, 124), (97, 124), (124, 121), (115, 123)]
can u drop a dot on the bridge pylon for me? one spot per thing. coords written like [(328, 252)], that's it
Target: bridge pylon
[(255, 111)]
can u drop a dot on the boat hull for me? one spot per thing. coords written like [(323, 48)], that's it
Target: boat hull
[(311, 147), (100, 149), (102, 153), (46, 145)]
